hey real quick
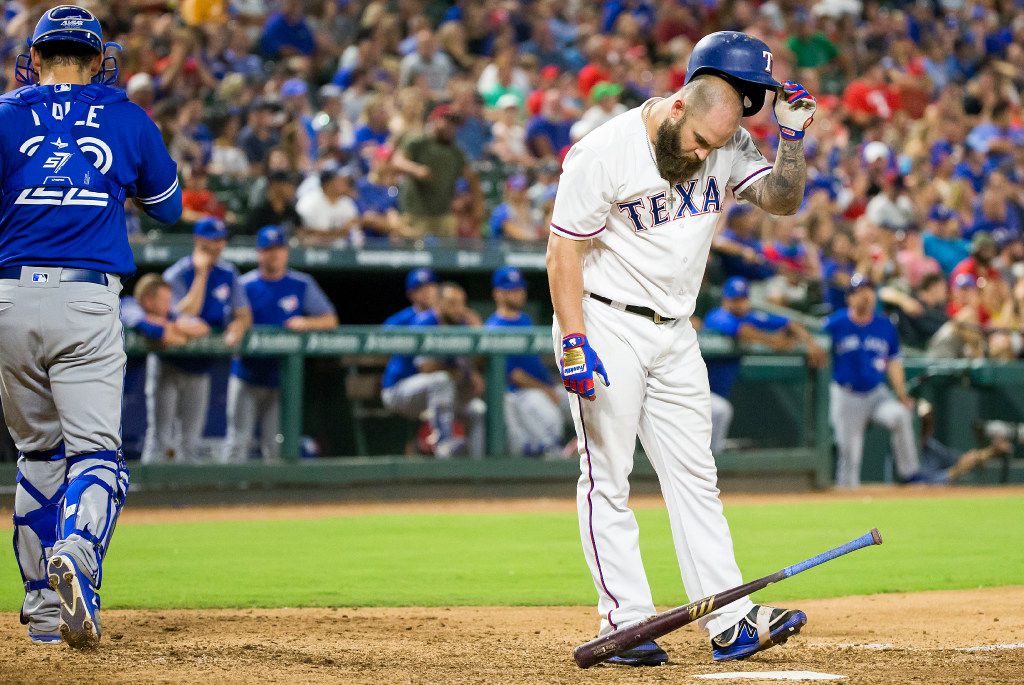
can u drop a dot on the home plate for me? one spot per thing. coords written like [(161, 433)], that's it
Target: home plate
[(770, 675)]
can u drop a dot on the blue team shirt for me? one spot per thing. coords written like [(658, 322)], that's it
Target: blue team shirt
[(74, 221), (403, 318), (529, 363), (861, 354), (723, 371), (402, 366), (734, 265), (223, 296), (273, 303)]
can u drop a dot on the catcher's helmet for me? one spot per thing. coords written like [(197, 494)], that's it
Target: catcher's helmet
[(742, 60), (68, 24)]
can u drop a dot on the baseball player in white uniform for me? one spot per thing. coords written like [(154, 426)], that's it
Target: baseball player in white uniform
[(636, 209)]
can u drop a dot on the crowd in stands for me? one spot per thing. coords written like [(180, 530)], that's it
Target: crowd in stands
[(348, 122)]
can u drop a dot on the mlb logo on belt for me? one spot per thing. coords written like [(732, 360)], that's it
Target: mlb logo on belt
[(40, 278)]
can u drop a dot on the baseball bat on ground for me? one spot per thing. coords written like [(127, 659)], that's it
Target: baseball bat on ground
[(596, 651)]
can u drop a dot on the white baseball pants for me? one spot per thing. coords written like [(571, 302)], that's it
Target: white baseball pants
[(659, 392)]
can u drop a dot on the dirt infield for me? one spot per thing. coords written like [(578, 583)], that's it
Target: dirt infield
[(883, 639)]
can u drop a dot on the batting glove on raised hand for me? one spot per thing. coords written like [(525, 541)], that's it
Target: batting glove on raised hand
[(794, 110), (579, 364)]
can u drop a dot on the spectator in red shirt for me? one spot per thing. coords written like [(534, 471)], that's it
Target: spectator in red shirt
[(871, 98), (197, 201), (979, 264)]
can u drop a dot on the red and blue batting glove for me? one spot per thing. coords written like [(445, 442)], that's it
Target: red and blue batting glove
[(794, 110), (579, 364)]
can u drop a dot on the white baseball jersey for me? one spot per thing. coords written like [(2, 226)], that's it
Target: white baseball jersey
[(649, 246), (650, 240)]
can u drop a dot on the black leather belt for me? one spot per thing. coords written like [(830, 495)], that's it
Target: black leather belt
[(645, 312), (66, 275)]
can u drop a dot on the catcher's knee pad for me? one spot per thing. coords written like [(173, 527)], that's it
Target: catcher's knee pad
[(37, 500), (96, 490)]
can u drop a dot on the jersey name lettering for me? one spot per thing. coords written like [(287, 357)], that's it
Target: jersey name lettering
[(654, 210)]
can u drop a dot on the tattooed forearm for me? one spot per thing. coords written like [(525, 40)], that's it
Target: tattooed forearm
[(781, 191)]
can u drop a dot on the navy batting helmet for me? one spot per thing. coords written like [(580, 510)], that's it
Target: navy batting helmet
[(68, 24), (742, 60)]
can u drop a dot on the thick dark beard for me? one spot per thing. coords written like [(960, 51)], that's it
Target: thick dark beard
[(673, 166)]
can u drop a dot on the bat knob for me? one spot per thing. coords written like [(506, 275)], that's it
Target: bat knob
[(876, 537)]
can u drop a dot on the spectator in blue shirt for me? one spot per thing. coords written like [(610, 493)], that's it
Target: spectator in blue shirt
[(735, 319), (287, 33), (837, 266), (548, 133), (513, 218), (377, 198), (279, 297), (533, 403), (943, 240)]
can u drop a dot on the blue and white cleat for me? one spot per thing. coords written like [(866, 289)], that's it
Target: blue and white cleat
[(43, 638), (647, 654), (79, 602), (761, 628)]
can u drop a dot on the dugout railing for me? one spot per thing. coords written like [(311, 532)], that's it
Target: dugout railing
[(808, 454)]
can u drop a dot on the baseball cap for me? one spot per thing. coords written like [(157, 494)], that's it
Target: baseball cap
[(738, 209), (210, 228), (549, 73), (444, 111), (508, 278), (965, 281), (858, 281), (604, 89), (293, 87), (875, 150), (139, 81), (507, 101), (735, 288), (419, 277), (281, 176), (271, 236)]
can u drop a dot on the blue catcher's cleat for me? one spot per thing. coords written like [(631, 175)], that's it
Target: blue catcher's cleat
[(647, 654), (762, 627), (43, 638), (79, 602)]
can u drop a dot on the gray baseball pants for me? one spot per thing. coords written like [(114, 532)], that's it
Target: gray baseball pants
[(851, 412), (176, 406), (62, 366), (249, 405)]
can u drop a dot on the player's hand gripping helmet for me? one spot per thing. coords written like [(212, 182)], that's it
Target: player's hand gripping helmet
[(68, 23), (742, 60)]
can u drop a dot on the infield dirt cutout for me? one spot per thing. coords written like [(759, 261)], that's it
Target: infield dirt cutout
[(880, 639)]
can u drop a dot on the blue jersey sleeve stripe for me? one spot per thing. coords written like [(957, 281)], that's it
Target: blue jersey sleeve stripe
[(162, 196)]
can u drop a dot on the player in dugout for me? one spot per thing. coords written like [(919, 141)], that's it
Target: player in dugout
[(282, 297), (178, 388), (150, 314), (735, 319), (533, 403)]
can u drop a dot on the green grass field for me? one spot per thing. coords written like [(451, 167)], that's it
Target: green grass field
[(524, 559)]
